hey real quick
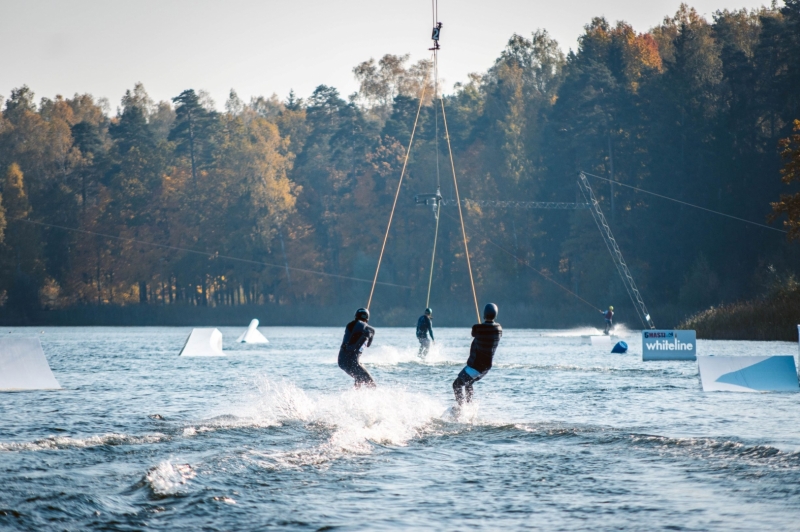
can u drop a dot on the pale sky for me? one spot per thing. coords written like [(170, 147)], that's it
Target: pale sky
[(260, 47)]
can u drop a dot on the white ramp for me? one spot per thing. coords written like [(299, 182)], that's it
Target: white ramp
[(748, 374), (23, 366), (203, 343), (597, 339), (252, 335)]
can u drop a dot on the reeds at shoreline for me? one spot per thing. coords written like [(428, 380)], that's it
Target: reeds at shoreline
[(772, 317)]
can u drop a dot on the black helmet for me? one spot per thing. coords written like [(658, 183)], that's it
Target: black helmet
[(362, 314), (490, 312), (429, 311)]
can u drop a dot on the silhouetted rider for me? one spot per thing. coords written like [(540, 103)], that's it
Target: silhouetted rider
[(481, 353), (424, 328), (357, 335)]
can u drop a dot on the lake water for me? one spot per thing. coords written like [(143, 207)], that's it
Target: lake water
[(563, 436)]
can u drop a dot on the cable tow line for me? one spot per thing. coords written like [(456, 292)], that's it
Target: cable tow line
[(397, 193), (460, 213), (437, 27), (202, 253), (688, 204)]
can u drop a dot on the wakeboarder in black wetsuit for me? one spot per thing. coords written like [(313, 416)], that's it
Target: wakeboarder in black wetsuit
[(486, 337), (425, 327), (357, 334)]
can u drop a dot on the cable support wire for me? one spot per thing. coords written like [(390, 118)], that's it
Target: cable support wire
[(460, 214), (433, 255), (614, 251), (520, 204), (687, 204), (435, 14), (202, 253), (397, 193), (527, 265)]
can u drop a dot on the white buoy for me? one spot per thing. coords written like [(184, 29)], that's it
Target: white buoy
[(23, 366), (748, 373), (203, 343), (252, 335)]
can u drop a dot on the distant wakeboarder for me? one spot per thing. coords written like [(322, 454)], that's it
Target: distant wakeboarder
[(609, 316), (425, 328)]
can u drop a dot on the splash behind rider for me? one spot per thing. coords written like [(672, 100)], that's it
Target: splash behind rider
[(424, 328), (357, 335), (486, 337)]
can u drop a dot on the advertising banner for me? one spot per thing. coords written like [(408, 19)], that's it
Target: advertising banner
[(669, 345)]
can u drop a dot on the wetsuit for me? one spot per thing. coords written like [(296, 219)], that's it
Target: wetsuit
[(486, 337), (424, 327), (608, 315), (356, 335)]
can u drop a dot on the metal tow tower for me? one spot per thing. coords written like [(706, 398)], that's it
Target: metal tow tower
[(613, 249)]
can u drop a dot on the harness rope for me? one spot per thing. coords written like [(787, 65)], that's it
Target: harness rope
[(460, 214), (397, 193)]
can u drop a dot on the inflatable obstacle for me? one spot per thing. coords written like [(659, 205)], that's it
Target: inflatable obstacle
[(748, 374), (203, 343), (23, 366), (252, 335), (620, 347), (597, 339)]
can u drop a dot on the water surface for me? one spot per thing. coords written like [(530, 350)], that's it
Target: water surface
[(563, 436)]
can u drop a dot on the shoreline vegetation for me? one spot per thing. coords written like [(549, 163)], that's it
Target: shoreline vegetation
[(186, 210), (773, 316)]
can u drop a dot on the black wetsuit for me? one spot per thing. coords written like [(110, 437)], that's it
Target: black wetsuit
[(486, 338), (424, 327), (356, 335)]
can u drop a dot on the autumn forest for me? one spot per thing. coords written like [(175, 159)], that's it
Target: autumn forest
[(281, 202)]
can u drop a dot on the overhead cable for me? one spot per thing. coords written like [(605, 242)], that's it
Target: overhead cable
[(687, 204)]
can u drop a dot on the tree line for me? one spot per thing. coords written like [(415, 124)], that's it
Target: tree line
[(284, 201)]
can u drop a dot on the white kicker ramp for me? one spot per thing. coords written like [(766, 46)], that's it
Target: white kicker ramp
[(203, 343), (252, 335), (748, 374), (23, 366), (597, 339)]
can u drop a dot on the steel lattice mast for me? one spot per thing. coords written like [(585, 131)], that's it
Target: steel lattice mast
[(613, 249)]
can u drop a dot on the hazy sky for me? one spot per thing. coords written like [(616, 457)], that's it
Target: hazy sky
[(259, 47)]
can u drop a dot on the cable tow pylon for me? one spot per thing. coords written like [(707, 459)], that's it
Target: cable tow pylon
[(613, 249)]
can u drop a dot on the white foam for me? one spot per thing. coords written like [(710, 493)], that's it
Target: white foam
[(203, 343), (387, 355), (358, 419), (66, 442), (23, 366), (169, 479)]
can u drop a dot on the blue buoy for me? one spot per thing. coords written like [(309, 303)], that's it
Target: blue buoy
[(621, 347)]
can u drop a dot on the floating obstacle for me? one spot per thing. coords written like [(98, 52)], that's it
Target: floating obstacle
[(23, 366), (669, 345), (748, 374), (597, 339), (620, 347), (252, 335), (203, 343)]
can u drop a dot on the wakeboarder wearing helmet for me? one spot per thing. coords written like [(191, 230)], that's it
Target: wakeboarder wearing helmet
[(424, 328), (486, 337), (357, 335), (609, 316)]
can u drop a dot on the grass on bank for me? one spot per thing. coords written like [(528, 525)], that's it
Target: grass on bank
[(773, 316)]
